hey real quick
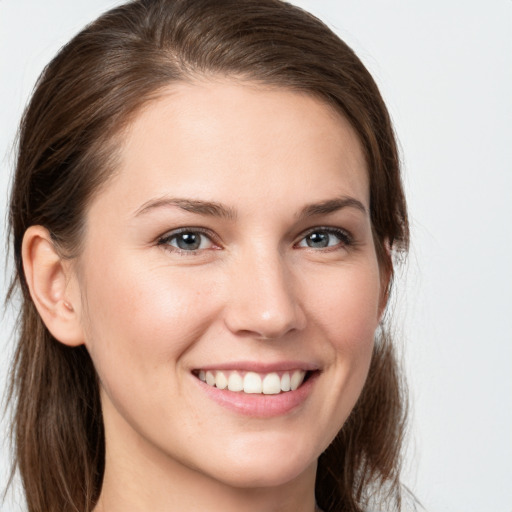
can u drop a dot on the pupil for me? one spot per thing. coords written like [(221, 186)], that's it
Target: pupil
[(188, 241), (318, 240)]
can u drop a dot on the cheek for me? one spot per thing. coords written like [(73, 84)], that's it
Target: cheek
[(139, 321), (347, 307), (347, 311)]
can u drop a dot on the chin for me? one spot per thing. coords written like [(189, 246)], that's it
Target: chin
[(269, 475), (270, 466)]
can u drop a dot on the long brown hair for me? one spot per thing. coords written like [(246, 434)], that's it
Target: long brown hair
[(66, 151)]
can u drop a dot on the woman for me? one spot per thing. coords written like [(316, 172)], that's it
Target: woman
[(206, 205)]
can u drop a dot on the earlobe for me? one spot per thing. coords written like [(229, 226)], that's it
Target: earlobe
[(52, 286)]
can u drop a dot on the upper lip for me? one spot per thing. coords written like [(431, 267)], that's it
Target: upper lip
[(260, 367)]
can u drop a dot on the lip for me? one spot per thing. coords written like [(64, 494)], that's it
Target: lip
[(249, 366), (260, 405)]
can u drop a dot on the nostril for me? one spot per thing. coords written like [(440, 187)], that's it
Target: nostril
[(264, 325)]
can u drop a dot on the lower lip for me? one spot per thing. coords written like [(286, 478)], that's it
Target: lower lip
[(259, 405)]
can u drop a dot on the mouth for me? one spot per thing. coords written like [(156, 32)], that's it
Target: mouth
[(259, 390), (254, 383)]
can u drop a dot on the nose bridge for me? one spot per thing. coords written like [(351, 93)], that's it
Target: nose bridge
[(262, 300)]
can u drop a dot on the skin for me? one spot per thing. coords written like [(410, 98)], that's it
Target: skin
[(151, 314)]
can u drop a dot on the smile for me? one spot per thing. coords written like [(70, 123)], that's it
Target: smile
[(272, 383), (259, 390)]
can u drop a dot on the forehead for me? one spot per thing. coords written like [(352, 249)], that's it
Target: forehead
[(226, 140)]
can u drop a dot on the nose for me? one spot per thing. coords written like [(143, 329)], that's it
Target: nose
[(263, 300)]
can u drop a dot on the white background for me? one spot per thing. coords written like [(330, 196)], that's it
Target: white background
[(445, 70)]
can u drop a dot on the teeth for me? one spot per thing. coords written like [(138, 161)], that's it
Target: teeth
[(252, 382), (221, 381), (235, 382), (210, 379), (271, 384), (296, 380), (285, 382)]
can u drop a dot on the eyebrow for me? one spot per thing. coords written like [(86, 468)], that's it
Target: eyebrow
[(214, 209), (209, 208), (331, 206)]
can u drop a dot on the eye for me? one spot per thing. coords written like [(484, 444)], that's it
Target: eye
[(187, 240), (324, 238)]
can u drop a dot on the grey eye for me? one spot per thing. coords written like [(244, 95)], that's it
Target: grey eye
[(318, 240), (324, 238), (187, 240)]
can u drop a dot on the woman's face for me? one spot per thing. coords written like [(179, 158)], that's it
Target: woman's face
[(233, 245)]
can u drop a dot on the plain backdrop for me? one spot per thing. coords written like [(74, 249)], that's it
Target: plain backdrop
[(445, 70)]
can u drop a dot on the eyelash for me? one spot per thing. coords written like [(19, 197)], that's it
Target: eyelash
[(165, 240), (346, 240)]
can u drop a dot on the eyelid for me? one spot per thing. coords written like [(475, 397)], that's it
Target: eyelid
[(347, 239), (162, 240), (344, 235)]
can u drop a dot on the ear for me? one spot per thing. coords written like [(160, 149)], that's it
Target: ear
[(53, 286), (386, 274)]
